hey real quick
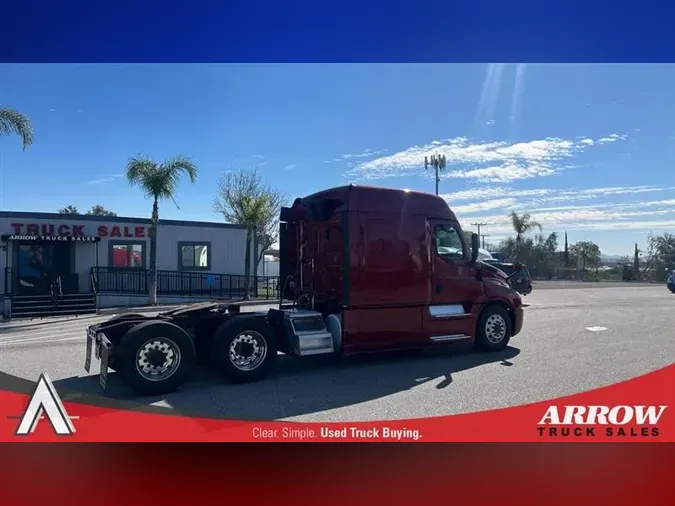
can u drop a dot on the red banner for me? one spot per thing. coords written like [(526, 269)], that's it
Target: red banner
[(639, 409)]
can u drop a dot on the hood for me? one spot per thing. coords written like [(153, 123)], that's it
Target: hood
[(490, 270)]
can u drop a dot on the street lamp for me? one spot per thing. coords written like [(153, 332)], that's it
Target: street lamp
[(438, 163)]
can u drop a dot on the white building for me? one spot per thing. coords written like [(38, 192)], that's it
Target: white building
[(268, 266), (110, 256)]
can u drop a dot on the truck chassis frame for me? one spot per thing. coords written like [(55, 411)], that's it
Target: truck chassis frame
[(154, 355)]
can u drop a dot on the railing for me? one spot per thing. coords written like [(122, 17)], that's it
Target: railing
[(60, 285), (93, 285), (225, 286)]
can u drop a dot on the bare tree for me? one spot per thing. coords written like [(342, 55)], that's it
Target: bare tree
[(243, 198)]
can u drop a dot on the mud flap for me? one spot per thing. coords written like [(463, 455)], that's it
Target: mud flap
[(100, 345)]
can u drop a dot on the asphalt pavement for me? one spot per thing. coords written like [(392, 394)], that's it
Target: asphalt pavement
[(572, 341)]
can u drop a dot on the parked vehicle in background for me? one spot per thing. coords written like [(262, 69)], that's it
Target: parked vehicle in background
[(498, 255), (518, 275), (671, 282)]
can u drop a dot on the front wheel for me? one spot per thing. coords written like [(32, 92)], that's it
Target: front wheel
[(244, 349), (494, 329), (155, 357)]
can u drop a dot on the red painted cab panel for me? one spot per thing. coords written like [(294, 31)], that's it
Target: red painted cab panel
[(395, 264)]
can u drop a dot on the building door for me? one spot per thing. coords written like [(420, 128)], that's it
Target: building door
[(39, 265)]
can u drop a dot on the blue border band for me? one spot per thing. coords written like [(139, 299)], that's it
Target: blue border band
[(337, 31)]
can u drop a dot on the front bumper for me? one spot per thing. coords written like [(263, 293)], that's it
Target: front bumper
[(101, 346)]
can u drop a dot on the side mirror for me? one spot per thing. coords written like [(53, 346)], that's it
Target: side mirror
[(475, 246)]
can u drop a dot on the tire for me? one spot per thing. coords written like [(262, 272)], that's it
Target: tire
[(494, 329), (169, 340), (126, 316), (258, 344)]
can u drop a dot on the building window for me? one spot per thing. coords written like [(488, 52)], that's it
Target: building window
[(127, 254), (194, 256)]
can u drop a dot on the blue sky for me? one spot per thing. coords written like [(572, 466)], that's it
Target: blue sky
[(587, 149)]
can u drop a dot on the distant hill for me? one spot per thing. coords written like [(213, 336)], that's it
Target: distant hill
[(609, 259)]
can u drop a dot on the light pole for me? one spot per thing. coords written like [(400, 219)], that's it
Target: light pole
[(438, 163)]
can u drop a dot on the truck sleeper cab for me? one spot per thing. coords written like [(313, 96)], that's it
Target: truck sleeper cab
[(362, 269)]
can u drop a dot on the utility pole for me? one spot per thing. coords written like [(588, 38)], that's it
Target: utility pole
[(483, 239), (478, 225), (438, 163)]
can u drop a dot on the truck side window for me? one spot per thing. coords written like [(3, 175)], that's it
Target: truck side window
[(448, 242)]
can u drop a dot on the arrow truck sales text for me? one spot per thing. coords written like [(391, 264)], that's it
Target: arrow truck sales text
[(589, 421)]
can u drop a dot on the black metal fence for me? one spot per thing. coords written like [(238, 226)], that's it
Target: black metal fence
[(9, 277), (226, 286)]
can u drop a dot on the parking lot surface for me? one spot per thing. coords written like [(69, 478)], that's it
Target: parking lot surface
[(573, 340)]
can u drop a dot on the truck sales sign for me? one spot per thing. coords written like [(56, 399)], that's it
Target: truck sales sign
[(49, 238), (72, 232)]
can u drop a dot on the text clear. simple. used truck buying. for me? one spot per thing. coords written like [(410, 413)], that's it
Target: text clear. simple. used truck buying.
[(363, 269)]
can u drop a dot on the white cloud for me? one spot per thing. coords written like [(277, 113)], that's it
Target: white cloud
[(108, 179), (365, 154), (495, 191), (484, 206), (487, 161), (290, 166), (611, 138), (548, 194), (504, 173), (603, 216)]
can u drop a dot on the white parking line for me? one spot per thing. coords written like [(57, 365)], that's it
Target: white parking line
[(596, 329)]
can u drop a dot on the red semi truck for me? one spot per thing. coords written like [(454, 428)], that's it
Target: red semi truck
[(363, 269)]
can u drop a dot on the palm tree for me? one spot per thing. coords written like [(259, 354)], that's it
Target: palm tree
[(158, 181), (12, 121), (523, 224)]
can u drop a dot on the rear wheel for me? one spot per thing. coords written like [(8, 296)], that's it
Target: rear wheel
[(244, 349), (494, 329), (117, 318), (155, 357)]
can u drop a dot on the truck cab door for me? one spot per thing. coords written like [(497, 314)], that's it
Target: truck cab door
[(453, 284)]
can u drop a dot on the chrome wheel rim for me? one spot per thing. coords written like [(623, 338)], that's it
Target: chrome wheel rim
[(248, 350), (495, 328), (158, 359)]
